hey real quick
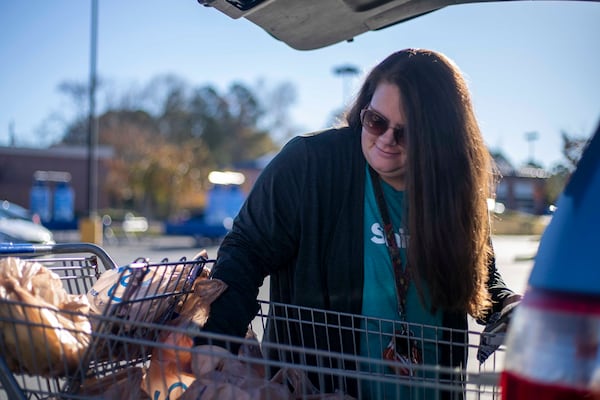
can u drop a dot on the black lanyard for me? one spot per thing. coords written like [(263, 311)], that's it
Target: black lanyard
[(402, 276)]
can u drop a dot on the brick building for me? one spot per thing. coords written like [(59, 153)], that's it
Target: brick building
[(18, 166), (521, 189)]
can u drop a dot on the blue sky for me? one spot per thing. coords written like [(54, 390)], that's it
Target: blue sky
[(531, 65)]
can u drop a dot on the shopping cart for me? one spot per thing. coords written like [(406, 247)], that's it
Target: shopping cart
[(46, 350), (139, 347), (333, 372)]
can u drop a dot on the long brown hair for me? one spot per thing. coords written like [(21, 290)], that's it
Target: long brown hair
[(449, 178)]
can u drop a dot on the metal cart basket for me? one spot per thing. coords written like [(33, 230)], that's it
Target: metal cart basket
[(140, 345)]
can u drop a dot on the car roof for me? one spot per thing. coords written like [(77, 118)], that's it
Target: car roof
[(313, 24)]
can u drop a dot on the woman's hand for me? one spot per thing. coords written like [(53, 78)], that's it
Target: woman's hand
[(493, 334)]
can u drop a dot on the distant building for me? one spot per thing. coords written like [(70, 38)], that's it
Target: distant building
[(18, 166), (521, 189)]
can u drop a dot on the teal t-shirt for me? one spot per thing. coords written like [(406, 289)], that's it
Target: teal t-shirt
[(380, 301)]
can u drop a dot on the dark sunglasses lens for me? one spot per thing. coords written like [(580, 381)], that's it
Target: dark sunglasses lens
[(374, 122)]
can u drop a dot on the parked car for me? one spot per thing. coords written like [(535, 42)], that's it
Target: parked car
[(120, 224), (224, 201), (18, 225), (16, 211), (195, 225)]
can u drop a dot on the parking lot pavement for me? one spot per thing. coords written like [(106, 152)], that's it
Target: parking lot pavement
[(515, 259), (155, 249)]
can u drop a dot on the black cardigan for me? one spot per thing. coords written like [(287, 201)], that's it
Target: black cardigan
[(302, 225)]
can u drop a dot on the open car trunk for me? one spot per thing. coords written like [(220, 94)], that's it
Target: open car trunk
[(312, 24)]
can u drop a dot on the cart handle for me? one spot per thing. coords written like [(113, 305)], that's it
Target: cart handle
[(19, 249)]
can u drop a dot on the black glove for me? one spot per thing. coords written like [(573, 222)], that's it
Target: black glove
[(493, 334)]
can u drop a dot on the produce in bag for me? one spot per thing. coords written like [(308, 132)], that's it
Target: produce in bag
[(44, 330)]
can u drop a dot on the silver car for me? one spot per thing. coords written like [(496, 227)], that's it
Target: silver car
[(18, 226)]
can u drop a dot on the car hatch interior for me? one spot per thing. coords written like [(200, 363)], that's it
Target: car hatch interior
[(313, 24)]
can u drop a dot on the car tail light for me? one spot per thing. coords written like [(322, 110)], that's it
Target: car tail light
[(553, 348)]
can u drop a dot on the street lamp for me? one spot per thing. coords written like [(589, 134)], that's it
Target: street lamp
[(531, 137), (91, 226), (92, 197), (346, 71)]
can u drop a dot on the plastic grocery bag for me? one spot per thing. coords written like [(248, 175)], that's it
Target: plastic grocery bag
[(227, 385), (44, 330), (227, 377), (121, 385), (137, 290), (170, 371)]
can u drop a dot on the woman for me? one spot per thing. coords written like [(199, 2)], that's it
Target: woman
[(315, 222)]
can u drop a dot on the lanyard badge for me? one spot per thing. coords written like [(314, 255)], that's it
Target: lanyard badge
[(404, 351)]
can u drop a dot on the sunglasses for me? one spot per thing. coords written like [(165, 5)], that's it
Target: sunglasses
[(377, 124)]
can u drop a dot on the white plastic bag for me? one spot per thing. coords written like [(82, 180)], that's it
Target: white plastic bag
[(144, 286)]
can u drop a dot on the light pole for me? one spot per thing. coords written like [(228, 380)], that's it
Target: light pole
[(91, 227), (531, 137), (346, 71)]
